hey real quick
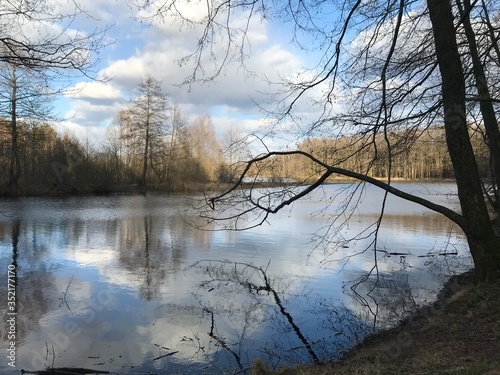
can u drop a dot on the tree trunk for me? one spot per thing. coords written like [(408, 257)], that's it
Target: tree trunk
[(145, 161), (485, 102), (483, 243), (15, 168), (491, 30)]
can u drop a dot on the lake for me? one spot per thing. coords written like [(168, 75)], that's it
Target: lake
[(129, 284)]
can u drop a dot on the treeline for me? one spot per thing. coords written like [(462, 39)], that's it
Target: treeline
[(414, 154), (189, 156), (50, 162), (150, 145)]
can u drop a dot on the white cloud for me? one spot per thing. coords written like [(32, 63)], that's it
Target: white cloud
[(87, 113), (95, 92), (245, 126), (86, 257), (230, 98), (236, 86), (94, 134)]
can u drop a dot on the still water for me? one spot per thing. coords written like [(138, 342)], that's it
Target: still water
[(130, 285)]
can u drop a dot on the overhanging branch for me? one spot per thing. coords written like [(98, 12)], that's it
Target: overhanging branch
[(330, 170)]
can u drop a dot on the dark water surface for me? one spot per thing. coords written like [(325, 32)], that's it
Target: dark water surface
[(126, 283)]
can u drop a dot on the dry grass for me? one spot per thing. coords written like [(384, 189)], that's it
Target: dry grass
[(460, 334)]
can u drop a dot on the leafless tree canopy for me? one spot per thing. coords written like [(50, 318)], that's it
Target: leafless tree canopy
[(39, 44), (36, 34), (385, 73)]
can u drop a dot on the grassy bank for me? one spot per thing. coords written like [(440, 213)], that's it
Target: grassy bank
[(459, 334)]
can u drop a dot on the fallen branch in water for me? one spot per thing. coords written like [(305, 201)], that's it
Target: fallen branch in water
[(165, 355), (64, 371)]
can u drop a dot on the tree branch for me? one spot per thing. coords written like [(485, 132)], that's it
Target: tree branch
[(329, 170)]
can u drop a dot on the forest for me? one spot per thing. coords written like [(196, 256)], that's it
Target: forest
[(149, 146), (186, 155), (61, 163), (416, 154)]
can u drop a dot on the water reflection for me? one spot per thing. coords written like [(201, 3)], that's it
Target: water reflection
[(280, 321), (126, 284)]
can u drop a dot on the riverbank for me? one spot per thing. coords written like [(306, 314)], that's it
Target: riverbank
[(67, 189), (458, 334)]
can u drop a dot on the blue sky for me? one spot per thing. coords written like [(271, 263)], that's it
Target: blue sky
[(139, 49)]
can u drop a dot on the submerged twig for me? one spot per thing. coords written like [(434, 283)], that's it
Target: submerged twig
[(65, 371), (63, 298), (165, 355)]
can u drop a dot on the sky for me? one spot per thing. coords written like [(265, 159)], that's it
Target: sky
[(140, 48), (138, 44)]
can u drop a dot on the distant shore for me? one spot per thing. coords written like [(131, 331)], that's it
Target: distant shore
[(73, 190)]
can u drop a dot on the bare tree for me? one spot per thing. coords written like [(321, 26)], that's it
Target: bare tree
[(235, 149), (37, 39), (205, 147), (113, 148), (39, 35), (483, 242), (26, 95), (480, 82), (398, 66), (175, 143), (146, 119)]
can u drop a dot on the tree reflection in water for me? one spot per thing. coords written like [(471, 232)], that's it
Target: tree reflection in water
[(245, 296), (33, 281), (392, 296), (121, 269)]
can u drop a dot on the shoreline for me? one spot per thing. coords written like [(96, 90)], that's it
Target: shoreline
[(132, 189), (457, 334)]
